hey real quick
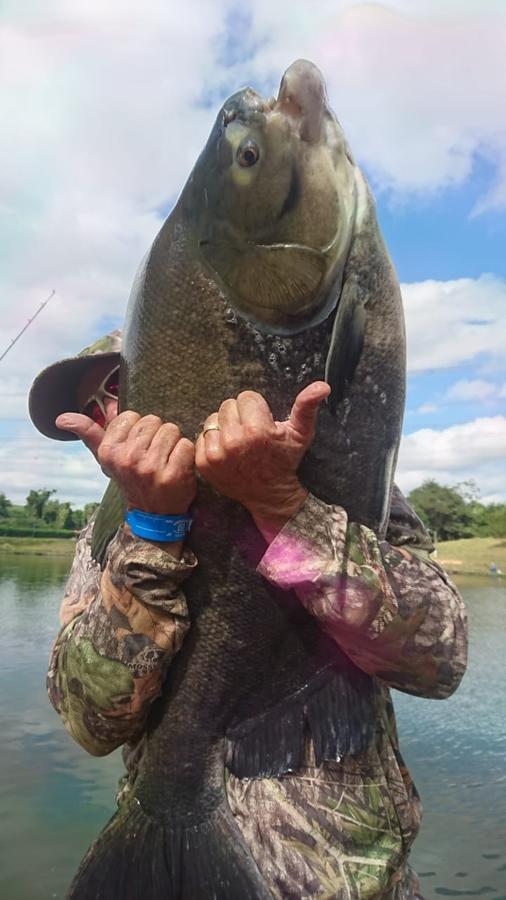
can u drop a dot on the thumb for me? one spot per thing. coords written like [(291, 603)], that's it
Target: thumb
[(89, 431), (305, 409)]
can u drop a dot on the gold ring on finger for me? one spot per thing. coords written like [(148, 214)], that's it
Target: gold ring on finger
[(211, 428)]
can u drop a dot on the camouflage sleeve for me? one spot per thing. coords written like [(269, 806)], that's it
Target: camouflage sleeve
[(393, 610), (121, 628)]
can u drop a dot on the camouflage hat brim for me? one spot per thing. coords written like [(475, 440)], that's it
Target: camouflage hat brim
[(54, 391)]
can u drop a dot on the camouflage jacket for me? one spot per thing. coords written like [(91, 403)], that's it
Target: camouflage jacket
[(340, 830)]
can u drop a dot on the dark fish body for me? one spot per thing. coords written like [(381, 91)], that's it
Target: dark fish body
[(264, 285)]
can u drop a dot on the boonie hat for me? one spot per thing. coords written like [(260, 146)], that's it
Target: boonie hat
[(54, 391)]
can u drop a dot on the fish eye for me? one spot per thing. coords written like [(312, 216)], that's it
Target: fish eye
[(247, 154)]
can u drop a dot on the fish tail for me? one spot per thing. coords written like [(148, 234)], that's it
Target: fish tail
[(137, 857)]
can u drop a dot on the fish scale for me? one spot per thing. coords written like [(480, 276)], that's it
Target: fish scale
[(251, 285)]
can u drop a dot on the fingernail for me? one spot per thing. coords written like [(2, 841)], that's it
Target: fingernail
[(65, 421)]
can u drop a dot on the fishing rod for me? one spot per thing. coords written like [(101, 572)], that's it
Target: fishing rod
[(41, 307)]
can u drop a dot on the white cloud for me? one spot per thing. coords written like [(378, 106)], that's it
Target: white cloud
[(13, 398), (103, 116), (475, 389), (101, 125), (418, 87), (426, 409), (474, 450), (452, 322), (30, 461), (458, 446)]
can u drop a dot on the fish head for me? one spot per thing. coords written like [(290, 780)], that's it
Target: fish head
[(273, 200)]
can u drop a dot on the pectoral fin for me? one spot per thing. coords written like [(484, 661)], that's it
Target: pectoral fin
[(346, 342), (109, 517)]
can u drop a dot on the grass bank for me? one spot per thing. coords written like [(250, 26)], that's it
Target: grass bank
[(24, 546), (472, 556)]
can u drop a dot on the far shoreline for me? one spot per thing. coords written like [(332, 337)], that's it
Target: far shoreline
[(38, 546), (474, 556), (468, 556)]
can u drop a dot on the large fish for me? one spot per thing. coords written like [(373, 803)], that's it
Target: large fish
[(270, 273)]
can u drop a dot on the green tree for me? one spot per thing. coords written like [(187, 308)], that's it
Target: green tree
[(443, 510), (494, 520), (36, 502), (468, 490), (79, 518), (89, 509), (478, 513), (5, 505), (51, 512), (66, 517)]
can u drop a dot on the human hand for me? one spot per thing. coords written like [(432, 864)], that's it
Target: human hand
[(152, 464), (254, 460), (89, 431)]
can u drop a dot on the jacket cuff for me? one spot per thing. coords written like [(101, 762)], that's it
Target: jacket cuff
[(146, 570), (293, 559)]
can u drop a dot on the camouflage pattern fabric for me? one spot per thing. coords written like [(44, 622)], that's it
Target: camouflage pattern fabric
[(340, 830), (110, 659), (393, 611), (109, 343)]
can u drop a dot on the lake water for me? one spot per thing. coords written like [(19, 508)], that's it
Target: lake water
[(54, 797)]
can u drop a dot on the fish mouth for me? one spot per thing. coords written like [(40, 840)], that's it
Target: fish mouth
[(303, 98)]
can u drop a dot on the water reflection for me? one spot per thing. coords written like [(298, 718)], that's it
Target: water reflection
[(29, 572), (54, 797), (456, 750)]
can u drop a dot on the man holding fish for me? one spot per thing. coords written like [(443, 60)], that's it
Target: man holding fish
[(262, 389), (305, 839)]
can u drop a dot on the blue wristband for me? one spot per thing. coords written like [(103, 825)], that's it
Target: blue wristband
[(152, 527)]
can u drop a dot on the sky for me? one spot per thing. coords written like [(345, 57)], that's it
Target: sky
[(105, 108)]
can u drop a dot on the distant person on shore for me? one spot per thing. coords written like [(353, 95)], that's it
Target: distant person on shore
[(342, 828)]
